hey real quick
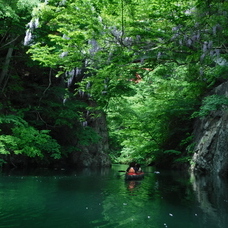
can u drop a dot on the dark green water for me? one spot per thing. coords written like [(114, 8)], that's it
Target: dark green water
[(102, 198)]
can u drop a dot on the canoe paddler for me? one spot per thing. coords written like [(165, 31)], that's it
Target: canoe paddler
[(131, 168)]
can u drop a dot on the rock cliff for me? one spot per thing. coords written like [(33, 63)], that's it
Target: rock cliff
[(96, 153), (211, 140)]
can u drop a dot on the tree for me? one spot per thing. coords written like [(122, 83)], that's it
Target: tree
[(14, 17), (170, 48), (189, 63), (25, 140)]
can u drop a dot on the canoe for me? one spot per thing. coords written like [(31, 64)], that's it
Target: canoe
[(134, 176)]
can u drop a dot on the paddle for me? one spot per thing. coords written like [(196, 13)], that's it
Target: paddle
[(143, 171)]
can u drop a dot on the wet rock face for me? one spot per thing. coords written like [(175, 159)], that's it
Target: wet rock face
[(211, 140)]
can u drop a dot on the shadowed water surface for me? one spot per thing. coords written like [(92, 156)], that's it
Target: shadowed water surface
[(102, 198)]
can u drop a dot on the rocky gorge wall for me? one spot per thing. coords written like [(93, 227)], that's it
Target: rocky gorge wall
[(211, 140), (95, 154)]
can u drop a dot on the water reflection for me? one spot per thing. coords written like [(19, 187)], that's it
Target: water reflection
[(132, 185), (212, 195), (92, 198)]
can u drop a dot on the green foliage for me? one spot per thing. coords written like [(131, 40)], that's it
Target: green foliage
[(87, 136), (15, 14), (183, 160), (143, 123), (26, 140), (212, 103), (147, 65), (175, 152), (59, 114)]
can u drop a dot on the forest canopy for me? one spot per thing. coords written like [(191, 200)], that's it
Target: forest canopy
[(146, 64)]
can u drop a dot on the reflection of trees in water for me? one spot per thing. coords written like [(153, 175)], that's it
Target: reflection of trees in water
[(130, 205), (212, 195), (175, 187)]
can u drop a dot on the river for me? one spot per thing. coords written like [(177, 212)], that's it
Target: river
[(90, 198)]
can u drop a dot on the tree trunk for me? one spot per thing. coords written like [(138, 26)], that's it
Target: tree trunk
[(6, 64)]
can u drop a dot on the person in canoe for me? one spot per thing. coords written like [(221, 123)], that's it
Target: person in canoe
[(132, 168), (138, 168), (134, 172)]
